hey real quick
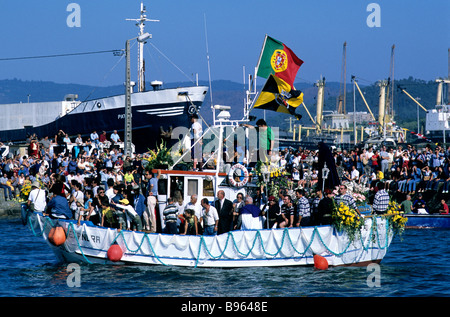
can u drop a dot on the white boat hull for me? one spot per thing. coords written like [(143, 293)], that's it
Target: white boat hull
[(252, 248)]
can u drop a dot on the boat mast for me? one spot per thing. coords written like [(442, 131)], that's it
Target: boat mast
[(141, 66), (342, 88)]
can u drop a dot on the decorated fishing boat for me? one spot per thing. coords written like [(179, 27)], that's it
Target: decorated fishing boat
[(350, 240), (430, 221), (242, 248)]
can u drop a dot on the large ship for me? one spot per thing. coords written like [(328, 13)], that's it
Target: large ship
[(437, 119), (154, 112)]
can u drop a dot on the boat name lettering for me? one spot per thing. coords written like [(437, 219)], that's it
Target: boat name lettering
[(85, 237), (122, 116)]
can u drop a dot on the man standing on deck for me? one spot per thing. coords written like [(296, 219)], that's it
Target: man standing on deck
[(197, 132), (266, 140), (37, 197), (225, 210), (209, 219)]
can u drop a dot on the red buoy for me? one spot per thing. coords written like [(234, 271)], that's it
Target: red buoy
[(115, 253), (320, 262), (57, 235)]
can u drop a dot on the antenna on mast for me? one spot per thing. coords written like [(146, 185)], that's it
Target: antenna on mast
[(141, 24)]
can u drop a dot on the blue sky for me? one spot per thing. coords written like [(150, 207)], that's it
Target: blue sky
[(314, 30)]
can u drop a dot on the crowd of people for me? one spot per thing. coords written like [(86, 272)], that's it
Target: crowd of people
[(402, 174), (93, 180)]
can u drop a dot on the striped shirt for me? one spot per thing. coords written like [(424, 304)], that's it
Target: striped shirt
[(346, 199), (380, 202), (170, 213), (303, 208)]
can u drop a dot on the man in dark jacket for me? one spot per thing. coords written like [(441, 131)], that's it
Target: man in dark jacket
[(225, 210)]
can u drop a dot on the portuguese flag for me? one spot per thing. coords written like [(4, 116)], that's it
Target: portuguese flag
[(279, 96), (278, 59)]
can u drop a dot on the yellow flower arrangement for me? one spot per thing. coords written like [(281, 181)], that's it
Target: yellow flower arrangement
[(25, 191), (395, 216), (348, 220)]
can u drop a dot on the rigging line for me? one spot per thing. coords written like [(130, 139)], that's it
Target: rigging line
[(122, 56), (168, 59), (207, 57), (154, 60), (104, 77), (59, 55)]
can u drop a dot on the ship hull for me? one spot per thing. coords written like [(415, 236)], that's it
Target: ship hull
[(152, 112)]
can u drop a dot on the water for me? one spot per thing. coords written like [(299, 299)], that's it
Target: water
[(415, 266)]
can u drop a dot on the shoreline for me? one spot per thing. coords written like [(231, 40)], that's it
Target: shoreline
[(9, 209)]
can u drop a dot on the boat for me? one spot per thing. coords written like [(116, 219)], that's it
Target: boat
[(429, 221), (297, 246), (241, 248), (154, 112)]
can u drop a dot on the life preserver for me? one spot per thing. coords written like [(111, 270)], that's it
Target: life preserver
[(244, 177)]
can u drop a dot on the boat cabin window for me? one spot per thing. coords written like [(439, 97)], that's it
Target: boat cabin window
[(192, 187), (162, 186), (176, 186), (208, 188)]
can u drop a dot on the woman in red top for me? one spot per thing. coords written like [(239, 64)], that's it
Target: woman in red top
[(375, 157), (444, 208)]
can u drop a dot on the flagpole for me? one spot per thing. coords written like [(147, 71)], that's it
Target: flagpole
[(262, 50)]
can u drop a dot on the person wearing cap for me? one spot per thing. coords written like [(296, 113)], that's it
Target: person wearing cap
[(37, 198), (133, 219)]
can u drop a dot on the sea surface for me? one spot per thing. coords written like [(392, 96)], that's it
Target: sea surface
[(416, 265)]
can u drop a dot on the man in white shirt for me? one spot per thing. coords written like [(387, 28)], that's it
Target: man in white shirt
[(197, 132), (37, 197), (115, 137), (194, 205), (209, 218), (354, 174), (94, 138)]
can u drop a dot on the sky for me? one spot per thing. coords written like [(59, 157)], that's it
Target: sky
[(230, 32)]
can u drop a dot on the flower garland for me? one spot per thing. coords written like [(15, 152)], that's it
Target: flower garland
[(347, 219), (397, 220)]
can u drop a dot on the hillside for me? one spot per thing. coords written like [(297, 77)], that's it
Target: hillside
[(233, 94)]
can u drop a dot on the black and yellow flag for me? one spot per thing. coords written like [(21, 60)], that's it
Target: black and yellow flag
[(278, 96)]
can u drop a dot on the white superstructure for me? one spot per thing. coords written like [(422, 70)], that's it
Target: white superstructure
[(437, 119), (20, 115)]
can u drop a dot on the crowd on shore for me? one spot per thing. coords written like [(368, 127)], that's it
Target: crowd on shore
[(95, 181)]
